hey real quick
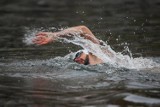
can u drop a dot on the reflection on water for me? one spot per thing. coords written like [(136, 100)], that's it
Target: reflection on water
[(42, 76)]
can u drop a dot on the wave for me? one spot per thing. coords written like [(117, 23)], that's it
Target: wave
[(117, 59)]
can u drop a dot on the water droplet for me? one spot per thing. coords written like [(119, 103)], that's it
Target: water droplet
[(82, 21), (134, 33), (101, 18)]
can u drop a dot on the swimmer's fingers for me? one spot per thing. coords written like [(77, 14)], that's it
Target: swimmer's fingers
[(41, 40), (44, 38)]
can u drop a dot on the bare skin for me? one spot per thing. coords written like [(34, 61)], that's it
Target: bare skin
[(47, 37), (43, 38)]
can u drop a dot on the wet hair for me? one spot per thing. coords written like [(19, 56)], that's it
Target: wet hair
[(86, 61)]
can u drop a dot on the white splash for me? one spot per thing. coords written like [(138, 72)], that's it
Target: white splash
[(31, 33), (29, 36), (116, 59), (103, 52)]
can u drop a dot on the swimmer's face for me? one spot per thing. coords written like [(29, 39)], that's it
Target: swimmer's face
[(80, 57)]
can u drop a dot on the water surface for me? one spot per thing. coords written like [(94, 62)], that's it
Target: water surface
[(45, 76)]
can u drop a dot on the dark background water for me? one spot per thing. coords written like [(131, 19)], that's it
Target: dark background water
[(132, 23), (136, 22)]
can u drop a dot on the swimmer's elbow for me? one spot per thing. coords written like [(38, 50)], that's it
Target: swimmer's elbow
[(83, 27)]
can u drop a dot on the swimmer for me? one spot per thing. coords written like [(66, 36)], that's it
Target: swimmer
[(82, 57)]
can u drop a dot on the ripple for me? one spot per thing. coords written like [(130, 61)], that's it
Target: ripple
[(141, 99)]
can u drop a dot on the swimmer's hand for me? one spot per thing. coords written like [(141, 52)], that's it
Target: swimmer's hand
[(43, 38)]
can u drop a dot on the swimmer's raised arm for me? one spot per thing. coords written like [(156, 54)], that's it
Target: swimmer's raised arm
[(47, 37)]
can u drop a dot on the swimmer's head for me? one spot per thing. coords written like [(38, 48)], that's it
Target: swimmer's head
[(82, 57)]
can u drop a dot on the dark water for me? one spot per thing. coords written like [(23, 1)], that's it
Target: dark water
[(32, 76)]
